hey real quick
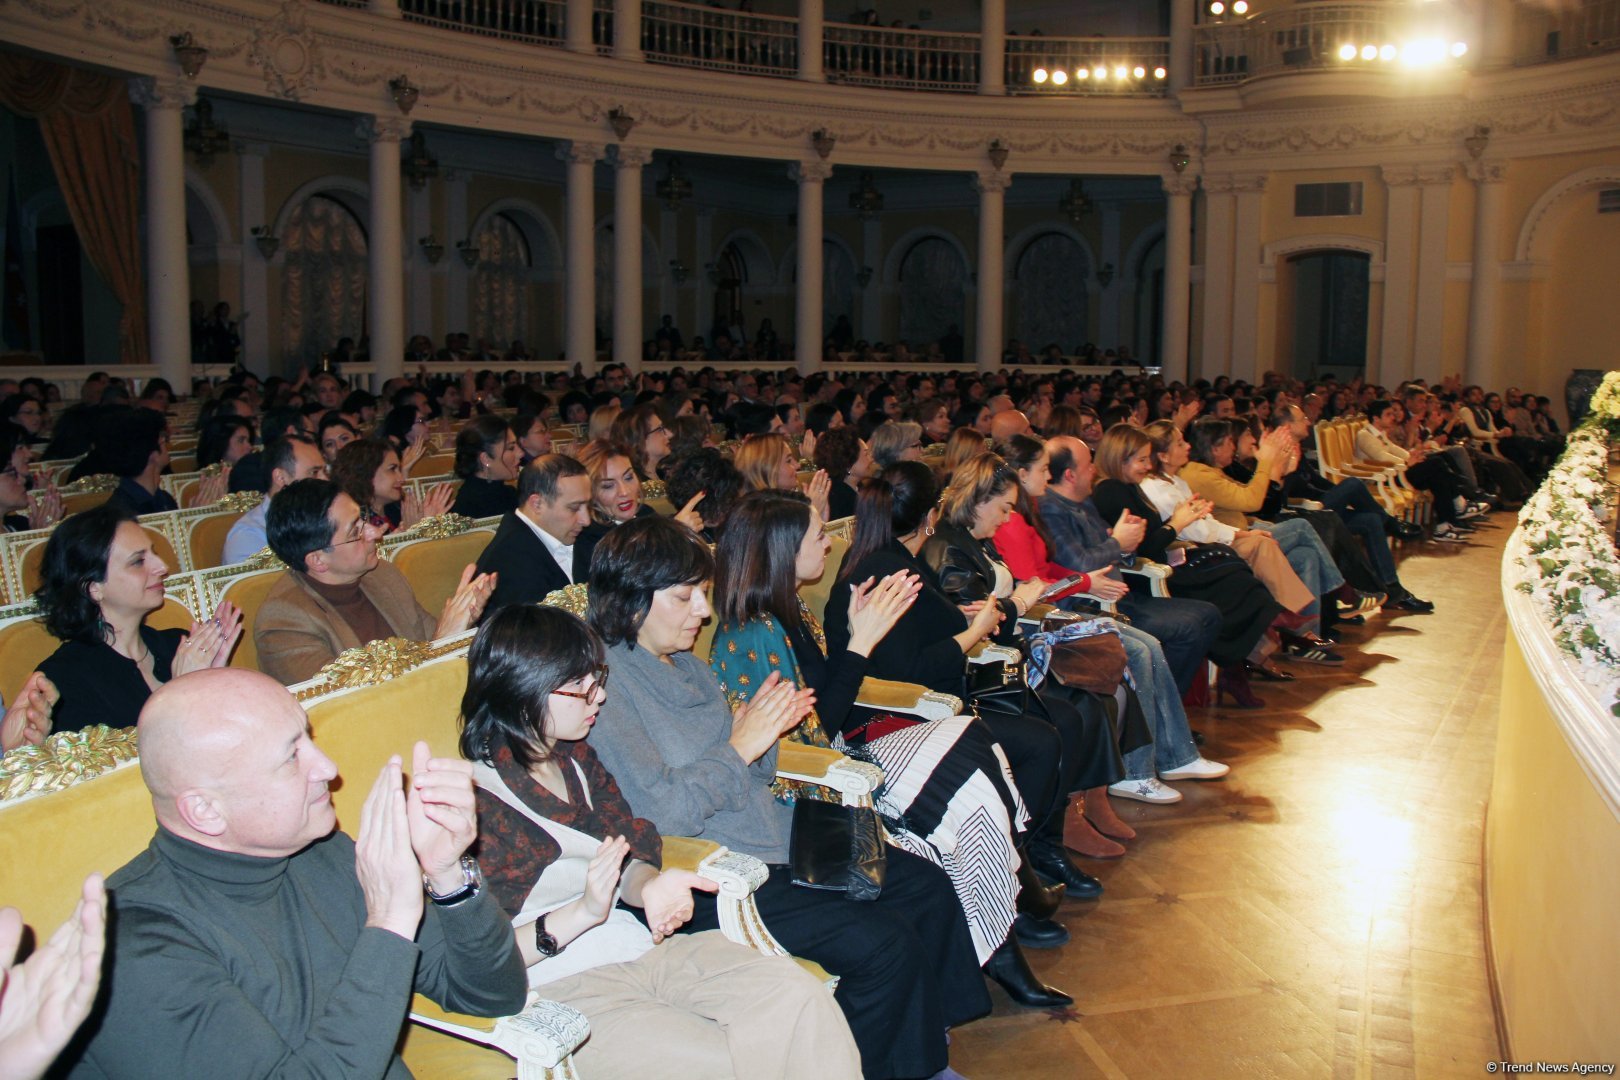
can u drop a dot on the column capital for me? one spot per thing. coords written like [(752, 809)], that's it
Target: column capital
[(376, 129), (1179, 183), (1406, 175), (1436, 174), (991, 180), (631, 157), (580, 152), (163, 93), (1239, 183), (1486, 172), (810, 172)]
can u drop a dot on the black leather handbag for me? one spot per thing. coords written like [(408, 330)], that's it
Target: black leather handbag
[(837, 848), (997, 688)]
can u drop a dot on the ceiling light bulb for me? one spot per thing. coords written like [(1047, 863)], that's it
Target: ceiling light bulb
[(1159, 73), (1459, 49), (1082, 73), (1387, 53), (1039, 75), (1347, 51), (1059, 77), (1369, 52), (1099, 72), (1138, 71), (1217, 8), (1240, 7), (1120, 72)]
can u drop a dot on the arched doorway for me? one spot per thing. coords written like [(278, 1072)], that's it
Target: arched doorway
[(1149, 279), (933, 291), (323, 279), (1329, 292), (1050, 286)]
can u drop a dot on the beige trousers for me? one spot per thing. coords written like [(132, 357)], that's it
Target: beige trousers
[(700, 1007), (1270, 565)]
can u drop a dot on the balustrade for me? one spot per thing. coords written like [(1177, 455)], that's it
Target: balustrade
[(1315, 36), (689, 35), (1568, 31), (902, 59), (1090, 65), (524, 20)]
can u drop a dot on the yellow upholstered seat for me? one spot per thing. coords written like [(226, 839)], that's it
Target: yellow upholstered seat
[(433, 464), (247, 591), (30, 556), (434, 564), (25, 643)]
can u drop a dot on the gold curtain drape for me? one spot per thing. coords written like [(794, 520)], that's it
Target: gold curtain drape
[(323, 279), (89, 130)]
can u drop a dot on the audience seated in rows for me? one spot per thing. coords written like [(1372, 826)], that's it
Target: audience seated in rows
[(290, 458)]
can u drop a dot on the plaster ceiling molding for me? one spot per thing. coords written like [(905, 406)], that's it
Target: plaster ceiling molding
[(288, 52), (129, 23)]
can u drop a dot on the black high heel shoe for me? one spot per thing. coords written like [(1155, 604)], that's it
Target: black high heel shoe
[(1008, 966), (1267, 671)]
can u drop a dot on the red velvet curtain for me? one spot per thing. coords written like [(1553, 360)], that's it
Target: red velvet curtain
[(89, 130)]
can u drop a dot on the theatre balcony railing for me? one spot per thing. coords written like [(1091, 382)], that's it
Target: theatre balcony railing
[(1115, 66), (521, 20), (901, 59), (1567, 31), (1308, 36), (688, 35)]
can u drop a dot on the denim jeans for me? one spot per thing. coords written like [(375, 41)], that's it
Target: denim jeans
[(1308, 556), (1184, 629), (1172, 745)]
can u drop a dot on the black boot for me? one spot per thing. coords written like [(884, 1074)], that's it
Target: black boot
[(1036, 897), (1052, 862), (1008, 967)]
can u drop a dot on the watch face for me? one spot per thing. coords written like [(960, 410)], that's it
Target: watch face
[(544, 942)]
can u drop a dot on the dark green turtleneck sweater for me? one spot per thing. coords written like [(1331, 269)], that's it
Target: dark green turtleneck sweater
[(233, 965)]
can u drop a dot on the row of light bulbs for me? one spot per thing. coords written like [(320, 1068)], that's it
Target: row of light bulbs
[(1100, 73), (1239, 7), (1415, 53)]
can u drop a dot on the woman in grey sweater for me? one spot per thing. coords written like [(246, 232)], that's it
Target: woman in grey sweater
[(905, 963)]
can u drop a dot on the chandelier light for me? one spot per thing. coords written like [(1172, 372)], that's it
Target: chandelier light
[(203, 137), (674, 188)]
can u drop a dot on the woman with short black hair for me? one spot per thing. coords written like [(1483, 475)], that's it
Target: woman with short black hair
[(99, 582), (686, 761)]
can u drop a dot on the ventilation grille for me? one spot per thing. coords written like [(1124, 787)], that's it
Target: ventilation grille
[(1327, 200), (1609, 201)]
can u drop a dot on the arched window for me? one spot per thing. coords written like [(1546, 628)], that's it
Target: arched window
[(501, 283), (1050, 282), (933, 291), (323, 280)]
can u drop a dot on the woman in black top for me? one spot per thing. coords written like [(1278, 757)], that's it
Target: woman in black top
[(487, 456), (896, 515), (101, 580)]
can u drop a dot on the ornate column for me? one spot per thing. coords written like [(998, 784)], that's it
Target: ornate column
[(993, 47), (811, 20), (627, 30), (1400, 271), (579, 288), (808, 316), (577, 26), (1107, 332), (1484, 288), (385, 245), (1220, 225), (988, 317), (1178, 192), (1496, 36), (627, 287), (168, 280), (253, 305), (1181, 44), (1428, 337), (1250, 194)]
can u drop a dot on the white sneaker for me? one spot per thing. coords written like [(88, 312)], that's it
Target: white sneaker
[(1199, 769), (1149, 791), (1470, 511)]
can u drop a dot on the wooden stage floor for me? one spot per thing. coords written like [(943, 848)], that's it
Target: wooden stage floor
[(1317, 913)]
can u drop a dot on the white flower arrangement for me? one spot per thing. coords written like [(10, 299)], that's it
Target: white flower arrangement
[(1568, 564)]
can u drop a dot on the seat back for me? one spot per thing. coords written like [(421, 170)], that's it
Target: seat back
[(30, 557), (80, 501), (815, 593), (205, 537), (431, 464), (247, 591), (433, 565)]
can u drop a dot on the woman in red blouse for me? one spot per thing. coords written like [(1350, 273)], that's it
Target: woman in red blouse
[(558, 846)]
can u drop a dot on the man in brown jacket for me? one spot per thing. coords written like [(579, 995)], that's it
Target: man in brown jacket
[(338, 595)]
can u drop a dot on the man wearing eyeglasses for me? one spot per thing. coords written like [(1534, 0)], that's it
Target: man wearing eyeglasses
[(337, 594)]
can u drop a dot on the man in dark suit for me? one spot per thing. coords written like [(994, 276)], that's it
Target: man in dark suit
[(538, 548)]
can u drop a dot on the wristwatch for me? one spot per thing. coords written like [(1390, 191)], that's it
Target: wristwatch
[(471, 886), (544, 942)]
